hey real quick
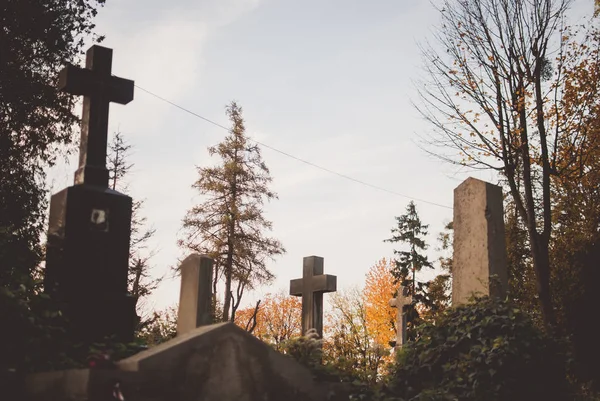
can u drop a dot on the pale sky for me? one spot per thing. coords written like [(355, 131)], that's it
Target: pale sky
[(330, 82)]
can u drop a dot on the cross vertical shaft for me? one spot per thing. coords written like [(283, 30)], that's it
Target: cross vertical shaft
[(94, 119)]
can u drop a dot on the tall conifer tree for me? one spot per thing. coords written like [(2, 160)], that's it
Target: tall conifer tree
[(230, 225)]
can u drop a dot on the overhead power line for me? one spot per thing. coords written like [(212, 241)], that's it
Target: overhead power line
[(347, 177)]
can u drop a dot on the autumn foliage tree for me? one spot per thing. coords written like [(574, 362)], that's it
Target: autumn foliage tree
[(276, 319), (349, 346), (380, 287), (229, 225), (493, 97), (575, 249)]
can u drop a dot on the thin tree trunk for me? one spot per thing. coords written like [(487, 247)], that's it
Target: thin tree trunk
[(252, 320), (230, 245), (539, 243), (541, 264), (228, 275)]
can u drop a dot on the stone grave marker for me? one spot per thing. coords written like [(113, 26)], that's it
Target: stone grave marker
[(90, 225), (479, 260), (401, 300), (219, 362), (311, 288), (195, 298)]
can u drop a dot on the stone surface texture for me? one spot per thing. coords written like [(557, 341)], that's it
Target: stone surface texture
[(479, 261), (220, 362), (195, 297)]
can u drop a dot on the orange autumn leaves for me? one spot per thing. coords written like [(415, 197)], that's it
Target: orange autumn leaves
[(279, 315), (278, 318), (379, 289)]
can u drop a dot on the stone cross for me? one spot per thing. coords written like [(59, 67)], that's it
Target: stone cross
[(479, 263), (402, 300), (311, 288), (195, 298), (89, 227), (99, 88)]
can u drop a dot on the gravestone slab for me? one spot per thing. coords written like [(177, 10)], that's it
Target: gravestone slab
[(479, 260), (311, 288), (195, 297), (219, 362), (222, 362)]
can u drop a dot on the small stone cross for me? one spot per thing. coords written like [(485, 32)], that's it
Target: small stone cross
[(99, 88), (311, 288), (402, 300)]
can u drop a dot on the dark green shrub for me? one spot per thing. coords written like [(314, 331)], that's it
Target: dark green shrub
[(487, 350)]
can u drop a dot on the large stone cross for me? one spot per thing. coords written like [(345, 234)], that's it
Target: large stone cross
[(402, 300), (99, 88), (311, 288)]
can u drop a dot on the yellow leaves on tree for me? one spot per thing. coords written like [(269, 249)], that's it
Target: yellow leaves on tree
[(379, 289), (349, 345), (277, 320)]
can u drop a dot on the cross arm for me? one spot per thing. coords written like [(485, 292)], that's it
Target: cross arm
[(400, 302), (296, 287), (325, 283), (81, 81)]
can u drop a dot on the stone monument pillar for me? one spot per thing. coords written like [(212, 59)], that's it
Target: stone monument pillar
[(479, 263), (311, 288), (195, 298), (90, 225)]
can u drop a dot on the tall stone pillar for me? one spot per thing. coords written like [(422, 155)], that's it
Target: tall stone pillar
[(479, 262)]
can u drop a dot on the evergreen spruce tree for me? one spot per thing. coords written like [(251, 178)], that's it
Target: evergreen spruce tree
[(412, 232), (230, 225)]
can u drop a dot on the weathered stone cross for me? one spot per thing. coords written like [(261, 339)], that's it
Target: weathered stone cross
[(99, 88), (311, 288), (400, 302)]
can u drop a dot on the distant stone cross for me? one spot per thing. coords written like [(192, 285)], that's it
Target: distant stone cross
[(99, 88), (311, 288), (400, 302)]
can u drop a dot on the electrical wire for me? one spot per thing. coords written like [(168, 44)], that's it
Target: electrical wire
[(347, 177)]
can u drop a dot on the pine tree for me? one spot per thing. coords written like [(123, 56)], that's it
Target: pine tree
[(229, 225), (412, 232)]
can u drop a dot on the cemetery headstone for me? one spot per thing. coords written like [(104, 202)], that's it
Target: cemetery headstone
[(311, 288), (402, 300), (195, 298), (479, 264), (219, 362), (90, 225)]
